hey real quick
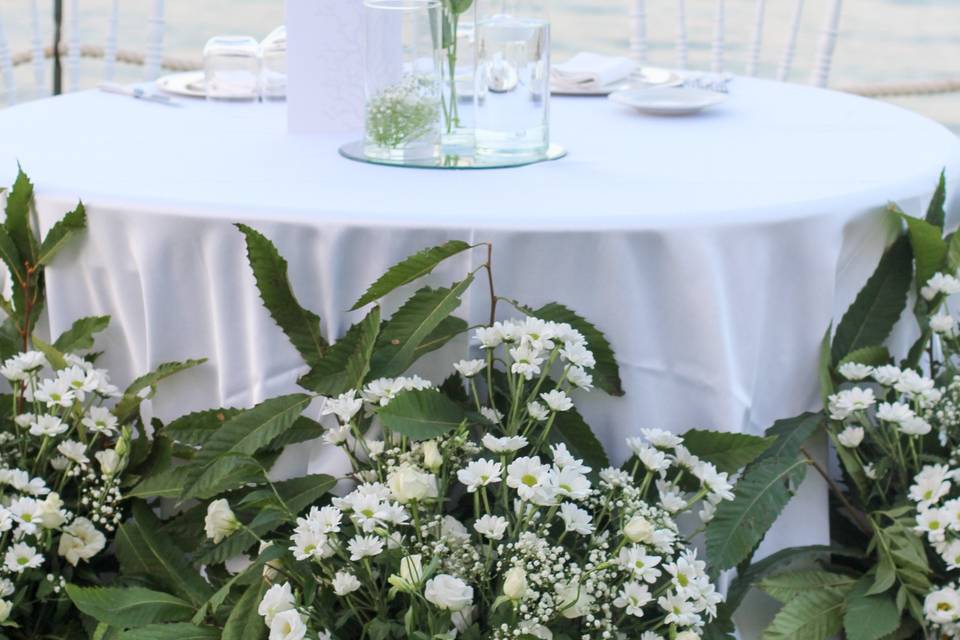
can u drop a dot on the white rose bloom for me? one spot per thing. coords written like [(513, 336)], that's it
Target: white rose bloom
[(448, 592), (480, 473), (220, 523), (638, 529), (50, 512), (942, 606), (80, 540), (109, 461), (345, 582), (515, 583), (557, 400), (855, 371), (492, 527), (504, 445), (288, 625), (470, 368), (407, 483), (5, 609), (276, 600), (575, 602), (851, 437), (73, 450), (432, 459)]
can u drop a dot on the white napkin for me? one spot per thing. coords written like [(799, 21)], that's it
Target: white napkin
[(591, 71)]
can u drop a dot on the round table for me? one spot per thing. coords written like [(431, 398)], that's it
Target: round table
[(713, 250)]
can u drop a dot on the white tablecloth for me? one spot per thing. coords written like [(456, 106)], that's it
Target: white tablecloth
[(712, 250)]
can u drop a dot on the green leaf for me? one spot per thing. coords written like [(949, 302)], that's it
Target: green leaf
[(80, 334), (303, 429), (571, 428), (953, 252), (165, 484), (936, 212), (410, 269), (302, 327), (929, 249), (729, 452), (299, 493), (606, 373), (879, 304), (175, 631), (129, 607), (11, 257), (342, 368), (414, 323), (244, 622), (786, 586), (421, 415), (143, 550), (761, 494), (869, 617), (873, 356), (61, 232), (128, 404), (243, 435), (825, 368), (791, 433), (816, 615), (196, 428), (17, 222), (53, 356)]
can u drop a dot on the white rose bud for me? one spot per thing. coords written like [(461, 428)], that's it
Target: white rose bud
[(431, 456), (687, 635), (638, 529), (409, 483), (411, 569), (515, 584), (448, 592), (288, 625), (109, 461), (5, 609), (220, 522)]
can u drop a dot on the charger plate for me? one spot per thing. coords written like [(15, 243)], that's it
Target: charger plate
[(354, 151)]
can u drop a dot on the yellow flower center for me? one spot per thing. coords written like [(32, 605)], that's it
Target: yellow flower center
[(529, 479)]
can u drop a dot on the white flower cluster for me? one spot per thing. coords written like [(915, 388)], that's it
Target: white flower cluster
[(59, 428)]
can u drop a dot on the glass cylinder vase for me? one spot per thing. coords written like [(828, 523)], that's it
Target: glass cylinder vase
[(402, 79), (513, 80), (458, 38)]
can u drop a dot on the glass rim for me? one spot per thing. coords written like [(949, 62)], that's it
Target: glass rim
[(402, 5)]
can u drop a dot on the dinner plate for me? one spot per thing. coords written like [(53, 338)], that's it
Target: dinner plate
[(645, 77), (668, 101), (189, 83)]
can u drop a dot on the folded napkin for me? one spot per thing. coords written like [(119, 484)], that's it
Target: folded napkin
[(592, 71)]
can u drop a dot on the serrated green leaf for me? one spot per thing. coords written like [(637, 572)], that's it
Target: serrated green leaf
[(869, 617), (879, 304), (872, 356), (166, 484), (761, 494), (412, 268), (421, 415), (816, 615), (129, 607), (142, 550), (606, 373), (953, 252), (791, 433), (130, 401), (825, 366), (786, 586), (572, 429), (334, 374), (936, 212), (301, 326), (929, 249), (17, 222), (729, 452), (358, 364), (175, 631), (239, 437), (244, 622), (61, 232), (80, 334), (53, 356), (11, 257), (302, 430), (413, 324), (195, 428)]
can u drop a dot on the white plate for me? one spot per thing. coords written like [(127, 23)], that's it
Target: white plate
[(188, 84), (645, 77), (668, 101)]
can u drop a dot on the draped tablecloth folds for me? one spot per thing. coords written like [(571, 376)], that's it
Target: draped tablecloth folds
[(713, 251)]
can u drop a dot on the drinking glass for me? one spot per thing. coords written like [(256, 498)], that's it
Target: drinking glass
[(513, 86), (402, 79), (231, 67), (273, 65)]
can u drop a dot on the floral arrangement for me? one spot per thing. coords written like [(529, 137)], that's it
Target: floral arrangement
[(504, 535), (404, 113), (480, 507), (66, 441)]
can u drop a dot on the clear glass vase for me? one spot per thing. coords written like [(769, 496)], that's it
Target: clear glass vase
[(458, 37), (403, 79), (513, 80)]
